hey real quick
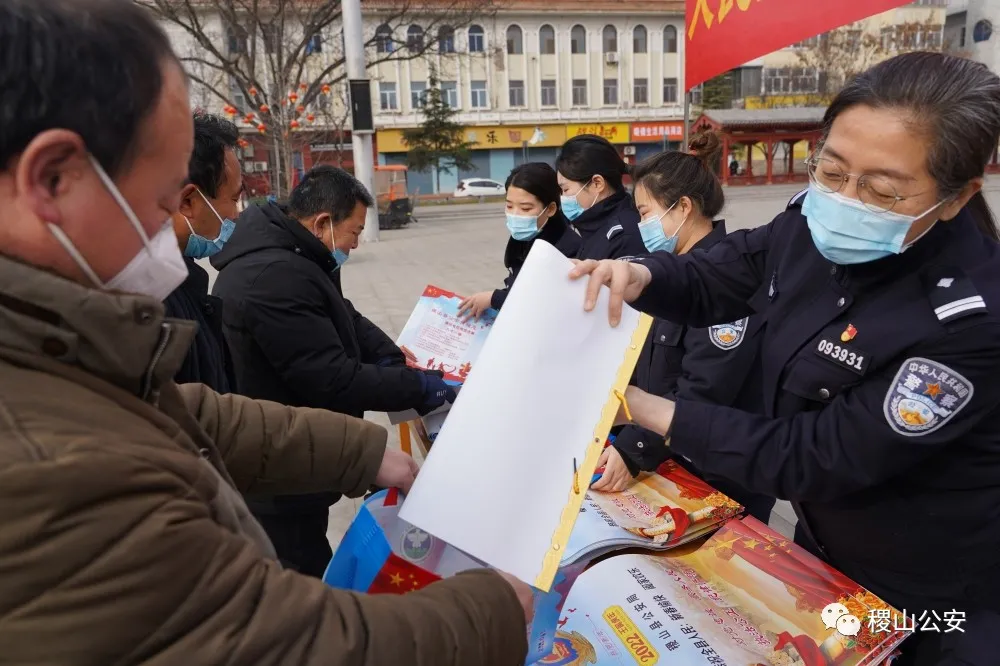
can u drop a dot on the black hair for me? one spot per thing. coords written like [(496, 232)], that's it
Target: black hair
[(328, 189), (671, 175), (956, 105), (94, 67), (212, 136), (588, 155), (537, 179)]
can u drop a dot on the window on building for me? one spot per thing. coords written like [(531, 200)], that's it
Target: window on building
[(269, 35), (697, 94), (810, 43), (791, 80), (383, 39), (609, 39), (418, 94), (640, 91), (961, 38), (889, 38), (515, 40), (415, 38), (387, 100), (670, 90), (237, 38), (446, 39), (315, 44), (478, 94), (639, 44), (516, 93), (747, 82), (981, 31), (670, 39), (579, 92), (477, 39), (578, 39), (549, 94), (449, 93), (546, 40), (611, 92)]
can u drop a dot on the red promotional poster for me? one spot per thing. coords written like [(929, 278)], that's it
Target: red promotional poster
[(723, 34)]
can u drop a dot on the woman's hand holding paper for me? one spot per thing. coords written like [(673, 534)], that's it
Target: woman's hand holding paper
[(474, 306), (625, 279), (616, 476)]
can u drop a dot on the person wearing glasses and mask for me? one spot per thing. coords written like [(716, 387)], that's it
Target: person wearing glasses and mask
[(879, 290), (532, 213), (680, 197), (203, 223), (594, 199)]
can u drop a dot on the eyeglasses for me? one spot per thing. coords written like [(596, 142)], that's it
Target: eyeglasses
[(877, 193)]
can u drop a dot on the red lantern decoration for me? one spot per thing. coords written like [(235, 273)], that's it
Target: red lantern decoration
[(250, 117), (252, 91), (326, 89), (264, 108), (303, 87), (300, 108), (294, 124), (243, 143), (311, 117), (292, 97), (262, 128)]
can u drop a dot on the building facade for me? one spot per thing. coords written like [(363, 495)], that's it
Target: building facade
[(975, 22), (531, 76)]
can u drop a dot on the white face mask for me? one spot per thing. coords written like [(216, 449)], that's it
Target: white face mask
[(155, 271)]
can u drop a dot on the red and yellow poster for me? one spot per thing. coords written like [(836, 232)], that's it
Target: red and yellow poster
[(723, 34)]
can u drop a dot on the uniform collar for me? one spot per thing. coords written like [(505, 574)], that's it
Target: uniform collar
[(717, 233), (122, 338), (594, 218)]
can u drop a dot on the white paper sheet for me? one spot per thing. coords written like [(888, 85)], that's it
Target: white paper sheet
[(501, 470)]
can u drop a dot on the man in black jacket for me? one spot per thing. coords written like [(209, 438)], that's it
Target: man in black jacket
[(202, 225), (296, 340)]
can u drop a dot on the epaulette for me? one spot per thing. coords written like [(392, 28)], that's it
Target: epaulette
[(952, 294)]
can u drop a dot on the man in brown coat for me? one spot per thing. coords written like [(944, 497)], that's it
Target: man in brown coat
[(123, 535)]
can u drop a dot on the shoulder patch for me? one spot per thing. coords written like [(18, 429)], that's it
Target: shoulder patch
[(728, 336), (614, 230), (796, 201), (952, 294), (923, 396)]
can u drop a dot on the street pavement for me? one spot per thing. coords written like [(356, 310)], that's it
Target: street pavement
[(460, 248)]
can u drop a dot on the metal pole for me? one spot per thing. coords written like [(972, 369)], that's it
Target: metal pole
[(687, 120), (364, 155)]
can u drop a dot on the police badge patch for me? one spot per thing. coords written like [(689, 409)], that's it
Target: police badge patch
[(924, 396), (417, 544), (728, 336)]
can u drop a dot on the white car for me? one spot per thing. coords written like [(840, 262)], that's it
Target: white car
[(479, 187)]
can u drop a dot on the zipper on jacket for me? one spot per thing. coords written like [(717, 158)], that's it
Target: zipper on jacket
[(166, 332)]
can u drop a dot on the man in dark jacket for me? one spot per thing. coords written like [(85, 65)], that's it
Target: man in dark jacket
[(296, 340), (202, 224)]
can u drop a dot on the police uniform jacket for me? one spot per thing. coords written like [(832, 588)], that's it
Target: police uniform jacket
[(556, 231), (881, 394), (610, 229), (711, 364)]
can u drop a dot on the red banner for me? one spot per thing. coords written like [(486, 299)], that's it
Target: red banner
[(724, 34)]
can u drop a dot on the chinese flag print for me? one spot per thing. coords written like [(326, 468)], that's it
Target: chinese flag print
[(397, 576), (723, 34)]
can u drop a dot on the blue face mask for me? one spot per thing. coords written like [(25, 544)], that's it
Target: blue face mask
[(846, 232), (339, 257), (522, 227), (199, 247), (570, 205), (654, 237)]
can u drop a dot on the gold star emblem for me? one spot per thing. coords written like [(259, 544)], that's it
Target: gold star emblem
[(396, 579), (933, 390), (768, 547), (727, 543), (751, 543)]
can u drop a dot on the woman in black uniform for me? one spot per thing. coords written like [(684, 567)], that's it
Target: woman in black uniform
[(880, 355), (594, 199), (679, 197), (532, 212)]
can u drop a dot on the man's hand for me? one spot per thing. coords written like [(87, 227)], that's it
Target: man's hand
[(525, 595), (436, 391), (474, 306), (398, 470), (625, 279), (616, 476)]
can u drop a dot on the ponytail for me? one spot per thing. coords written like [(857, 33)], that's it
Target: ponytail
[(983, 215)]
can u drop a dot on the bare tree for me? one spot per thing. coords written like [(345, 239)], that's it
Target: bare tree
[(841, 54), (276, 65)]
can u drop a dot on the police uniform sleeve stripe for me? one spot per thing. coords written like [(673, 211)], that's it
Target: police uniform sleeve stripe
[(796, 201), (960, 306), (615, 229), (911, 409)]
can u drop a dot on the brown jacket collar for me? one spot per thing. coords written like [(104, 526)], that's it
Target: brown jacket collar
[(124, 339)]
